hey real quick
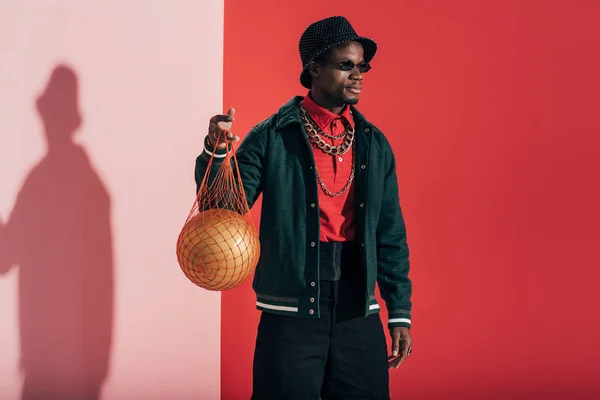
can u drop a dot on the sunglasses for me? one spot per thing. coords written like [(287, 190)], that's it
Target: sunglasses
[(349, 65)]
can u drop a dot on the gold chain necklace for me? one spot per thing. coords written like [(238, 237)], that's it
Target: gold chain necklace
[(319, 143), (346, 186), (321, 132)]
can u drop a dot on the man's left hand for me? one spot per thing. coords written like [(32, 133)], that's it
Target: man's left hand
[(401, 345)]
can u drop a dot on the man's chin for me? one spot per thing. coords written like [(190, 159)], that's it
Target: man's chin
[(350, 100)]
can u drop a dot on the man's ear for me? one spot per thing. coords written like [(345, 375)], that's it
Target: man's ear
[(313, 69)]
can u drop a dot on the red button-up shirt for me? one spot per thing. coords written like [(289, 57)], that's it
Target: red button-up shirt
[(337, 213)]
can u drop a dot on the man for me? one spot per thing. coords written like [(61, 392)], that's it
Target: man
[(331, 228)]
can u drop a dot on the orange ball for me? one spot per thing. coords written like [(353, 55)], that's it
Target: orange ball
[(218, 249)]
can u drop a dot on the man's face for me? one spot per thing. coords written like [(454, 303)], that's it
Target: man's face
[(333, 84)]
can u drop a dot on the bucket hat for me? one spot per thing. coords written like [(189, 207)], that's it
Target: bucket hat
[(322, 35)]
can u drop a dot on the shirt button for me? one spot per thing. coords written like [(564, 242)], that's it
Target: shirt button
[(340, 159), (312, 299), (313, 205), (362, 245), (363, 166), (312, 244), (312, 284), (362, 205), (311, 312), (367, 129)]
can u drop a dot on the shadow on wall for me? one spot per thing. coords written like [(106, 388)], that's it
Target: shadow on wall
[(59, 235)]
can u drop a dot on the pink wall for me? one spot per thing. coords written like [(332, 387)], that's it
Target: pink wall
[(96, 162)]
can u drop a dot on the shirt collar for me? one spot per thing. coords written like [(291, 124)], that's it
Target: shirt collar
[(324, 117)]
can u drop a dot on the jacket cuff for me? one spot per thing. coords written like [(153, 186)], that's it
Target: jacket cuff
[(212, 152), (399, 318)]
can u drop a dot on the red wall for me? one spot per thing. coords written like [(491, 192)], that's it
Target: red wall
[(492, 111)]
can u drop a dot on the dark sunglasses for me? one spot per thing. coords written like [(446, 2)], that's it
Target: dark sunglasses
[(349, 65)]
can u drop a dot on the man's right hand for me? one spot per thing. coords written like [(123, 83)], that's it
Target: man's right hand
[(219, 123)]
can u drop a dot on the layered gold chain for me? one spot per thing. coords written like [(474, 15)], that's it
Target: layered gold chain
[(312, 130), (346, 186)]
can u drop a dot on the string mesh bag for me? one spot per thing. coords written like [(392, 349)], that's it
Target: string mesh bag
[(218, 247)]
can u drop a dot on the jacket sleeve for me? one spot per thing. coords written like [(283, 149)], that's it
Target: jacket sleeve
[(250, 159), (392, 251)]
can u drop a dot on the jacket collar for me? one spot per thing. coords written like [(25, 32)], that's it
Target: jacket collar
[(289, 114)]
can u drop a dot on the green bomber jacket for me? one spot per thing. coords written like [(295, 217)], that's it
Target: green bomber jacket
[(275, 159)]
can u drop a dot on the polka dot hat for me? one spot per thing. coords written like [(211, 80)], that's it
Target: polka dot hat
[(324, 34)]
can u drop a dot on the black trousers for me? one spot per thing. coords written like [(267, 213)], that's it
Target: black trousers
[(341, 355)]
